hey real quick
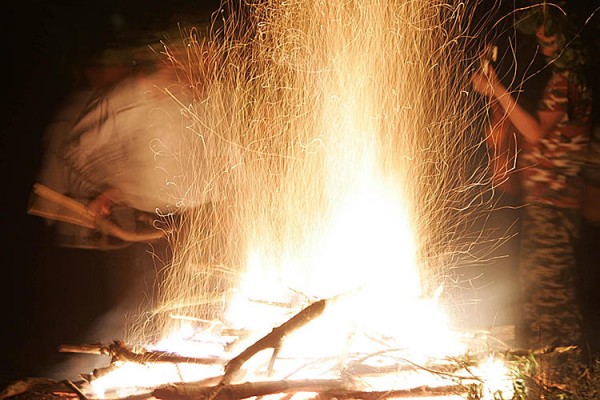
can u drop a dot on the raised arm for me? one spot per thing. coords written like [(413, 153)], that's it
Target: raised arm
[(531, 127)]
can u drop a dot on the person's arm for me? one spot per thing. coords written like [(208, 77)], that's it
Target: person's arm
[(102, 205), (531, 127)]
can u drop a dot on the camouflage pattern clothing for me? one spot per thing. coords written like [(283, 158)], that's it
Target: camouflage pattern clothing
[(551, 168), (551, 181), (550, 316)]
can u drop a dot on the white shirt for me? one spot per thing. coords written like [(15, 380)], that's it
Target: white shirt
[(136, 138)]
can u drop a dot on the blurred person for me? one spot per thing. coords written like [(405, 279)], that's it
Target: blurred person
[(96, 75), (124, 147), (512, 56), (71, 284), (134, 143), (128, 154), (122, 151), (117, 153), (552, 142)]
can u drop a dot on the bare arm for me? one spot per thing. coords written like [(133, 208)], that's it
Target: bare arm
[(531, 127)]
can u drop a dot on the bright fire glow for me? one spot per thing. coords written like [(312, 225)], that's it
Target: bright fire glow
[(375, 277), (342, 147), (131, 378), (497, 379)]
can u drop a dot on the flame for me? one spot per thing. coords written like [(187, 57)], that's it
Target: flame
[(130, 378), (497, 378), (367, 258), (376, 293)]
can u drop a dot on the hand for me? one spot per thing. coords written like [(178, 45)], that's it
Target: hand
[(102, 205), (485, 81)]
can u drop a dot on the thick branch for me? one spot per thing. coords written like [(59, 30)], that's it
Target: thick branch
[(274, 338), (242, 390)]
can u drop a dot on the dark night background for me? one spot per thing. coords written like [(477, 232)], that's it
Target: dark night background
[(42, 41)]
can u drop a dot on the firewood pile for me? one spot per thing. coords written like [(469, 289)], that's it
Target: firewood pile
[(460, 381)]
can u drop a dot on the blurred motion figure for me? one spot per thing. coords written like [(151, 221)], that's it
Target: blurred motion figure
[(552, 143), (96, 76)]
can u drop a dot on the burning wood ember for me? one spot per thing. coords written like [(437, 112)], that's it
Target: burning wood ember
[(324, 389)]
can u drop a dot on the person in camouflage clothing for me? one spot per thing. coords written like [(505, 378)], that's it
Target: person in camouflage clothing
[(552, 184), (553, 142)]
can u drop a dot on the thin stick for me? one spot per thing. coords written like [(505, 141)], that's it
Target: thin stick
[(76, 389), (119, 352), (420, 391), (82, 215)]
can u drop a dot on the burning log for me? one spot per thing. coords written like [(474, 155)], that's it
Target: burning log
[(443, 368), (119, 352), (222, 388), (326, 389), (274, 338), (243, 390)]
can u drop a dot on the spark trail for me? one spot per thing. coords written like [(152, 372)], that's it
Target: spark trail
[(337, 143)]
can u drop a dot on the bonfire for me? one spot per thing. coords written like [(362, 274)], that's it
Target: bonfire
[(357, 176)]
